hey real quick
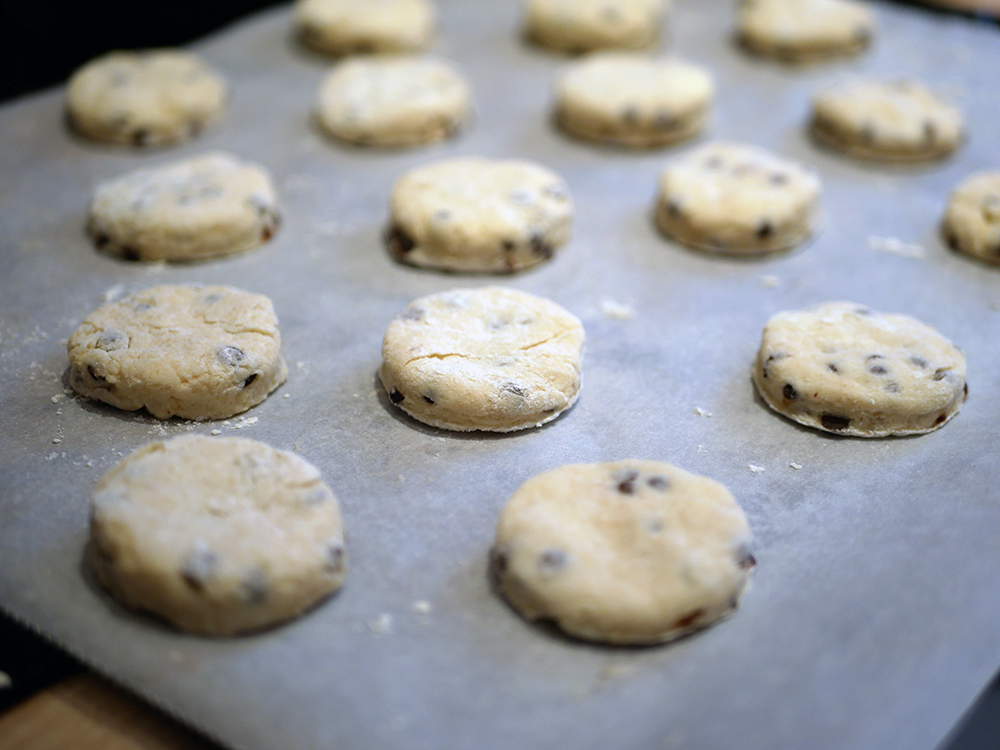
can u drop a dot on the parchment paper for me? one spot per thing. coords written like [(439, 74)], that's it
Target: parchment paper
[(872, 618)]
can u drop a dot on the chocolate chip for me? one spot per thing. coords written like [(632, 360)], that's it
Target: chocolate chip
[(626, 481), (630, 115), (428, 399), (95, 376), (665, 121), (965, 389), (689, 619), (744, 557), (395, 396), (540, 247), (892, 387), (834, 422), (919, 362), (952, 239), (789, 392), (101, 240), (940, 419), (266, 233), (674, 209), (552, 560), (930, 131), (255, 587), (508, 245), (140, 137), (501, 559), (658, 482), (778, 178), (516, 389), (199, 567), (832, 367), (230, 355), (862, 311), (868, 134), (335, 556), (130, 253), (764, 230), (941, 373), (413, 313), (399, 242), (249, 380), (112, 340)]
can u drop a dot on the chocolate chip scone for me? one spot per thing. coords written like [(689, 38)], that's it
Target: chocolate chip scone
[(972, 220), (195, 352), (843, 368), (798, 31), (216, 535), (145, 98), (203, 207), (628, 552), (346, 27), (489, 359), (576, 26)]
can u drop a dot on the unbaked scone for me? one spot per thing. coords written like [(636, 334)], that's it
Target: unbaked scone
[(397, 100), (346, 27), (897, 120), (804, 30), (216, 535), (146, 98), (972, 220), (195, 352), (576, 26), (630, 99), (737, 199), (478, 215), (202, 207), (843, 368), (490, 359), (628, 552)]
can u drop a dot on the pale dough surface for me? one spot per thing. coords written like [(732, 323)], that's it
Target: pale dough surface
[(478, 215), (633, 100), (582, 25), (843, 368), (146, 98), (898, 120), (628, 552), (737, 199), (195, 352), (202, 207), (216, 535), (345, 27), (972, 219), (804, 30), (393, 101), (491, 359)]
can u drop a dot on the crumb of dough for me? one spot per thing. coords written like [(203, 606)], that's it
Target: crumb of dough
[(895, 246), (795, 465), (702, 412), (755, 469), (381, 624), (616, 310)]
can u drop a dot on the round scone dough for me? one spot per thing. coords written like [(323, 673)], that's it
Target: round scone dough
[(886, 120), (629, 552), (633, 100), (145, 98), (195, 352), (972, 220), (804, 30), (843, 368), (576, 26), (737, 199), (202, 207), (489, 359), (478, 215), (345, 27), (216, 535), (393, 101)]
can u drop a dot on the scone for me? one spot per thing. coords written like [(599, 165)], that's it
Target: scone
[(899, 120), (737, 199), (203, 207), (478, 215), (145, 98), (630, 99), (195, 352), (629, 552), (216, 535), (490, 359), (397, 100), (347, 27), (576, 26), (800, 31), (972, 220), (843, 368)]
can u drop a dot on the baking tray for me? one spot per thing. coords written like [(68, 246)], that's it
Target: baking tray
[(871, 621)]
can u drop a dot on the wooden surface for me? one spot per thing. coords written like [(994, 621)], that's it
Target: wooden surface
[(85, 712)]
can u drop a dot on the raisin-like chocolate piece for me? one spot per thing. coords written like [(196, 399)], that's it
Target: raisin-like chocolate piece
[(835, 422), (941, 373), (395, 395), (249, 380), (877, 370), (130, 253), (230, 355), (516, 389), (832, 367), (892, 387), (200, 567), (919, 362), (399, 242), (508, 246), (744, 557), (765, 230), (140, 137), (659, 482), (112, 340), (427, 399), (98, 379), (689, 619), (101, 240), (674, 209), (255, 587), (540, 247), (626, 481), (552, 560), (940, 419), (335, 556), (500, 559), (789, 392)]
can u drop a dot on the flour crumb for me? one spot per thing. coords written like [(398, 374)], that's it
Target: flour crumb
[(216, 431), (286, 395), (795, 465), (701, 449), (246, 422), (57, 398), (895, 246), (57, 440), (381, 625), (616, 310), (769, 282), (701, 412), (422, 607), (755, 469)]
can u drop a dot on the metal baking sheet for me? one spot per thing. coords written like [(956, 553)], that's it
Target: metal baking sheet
[(871, 621)]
